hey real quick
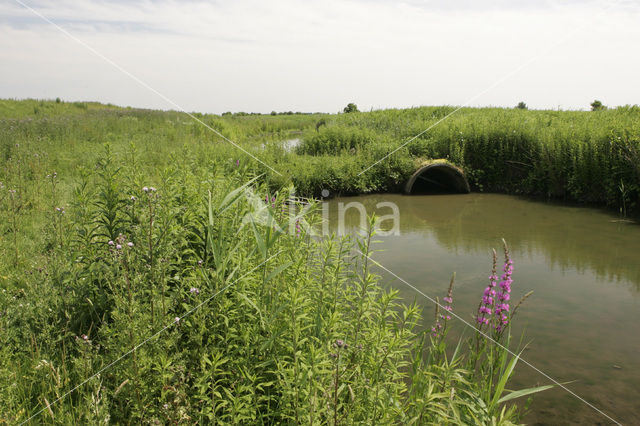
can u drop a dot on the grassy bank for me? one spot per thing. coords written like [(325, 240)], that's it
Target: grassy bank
[(143, 280), (586, 157)]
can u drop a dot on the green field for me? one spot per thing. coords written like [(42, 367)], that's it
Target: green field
[(272, 327)]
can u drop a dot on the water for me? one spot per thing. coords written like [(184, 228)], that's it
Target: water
[(291, 144), (583, 319)]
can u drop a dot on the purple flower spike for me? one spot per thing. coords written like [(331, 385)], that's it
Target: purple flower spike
[(502, 309)]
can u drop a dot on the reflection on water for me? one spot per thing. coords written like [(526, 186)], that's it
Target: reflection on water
[(583, 320)]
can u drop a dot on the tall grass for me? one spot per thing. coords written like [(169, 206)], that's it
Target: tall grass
[(162, 277), (589, 157)]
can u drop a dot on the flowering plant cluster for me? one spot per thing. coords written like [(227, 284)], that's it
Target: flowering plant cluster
[(494, 309), (119, 242), (438, 330)]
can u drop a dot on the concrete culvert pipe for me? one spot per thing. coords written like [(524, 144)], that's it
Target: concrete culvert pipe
[(437, 178)]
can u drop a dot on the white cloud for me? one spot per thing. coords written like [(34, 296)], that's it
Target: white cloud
[(316, 56)]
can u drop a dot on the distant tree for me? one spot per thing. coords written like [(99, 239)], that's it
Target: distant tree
[(351, 107), (597, 106), (274, 113), (521, 105), (58, 100), (226, 113)]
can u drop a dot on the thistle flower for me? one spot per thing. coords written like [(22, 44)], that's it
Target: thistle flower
[(118, 247), (133, 198), (111, 243), (177, 320), (194, 290), (339, 343), (130, 244), (145, 189)]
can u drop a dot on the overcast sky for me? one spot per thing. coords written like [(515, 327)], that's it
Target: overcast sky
[(261, 55)]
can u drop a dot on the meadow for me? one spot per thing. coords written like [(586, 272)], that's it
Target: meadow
[(143, 280)]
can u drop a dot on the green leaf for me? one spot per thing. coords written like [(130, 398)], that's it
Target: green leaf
[(503, 379), (262, 246), (277, 271), (523, 392), (233, 196)]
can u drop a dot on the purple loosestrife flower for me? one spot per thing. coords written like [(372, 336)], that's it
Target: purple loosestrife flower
[(439, 328), (237, 163), (435, 330), (486, 305), (502, 309)]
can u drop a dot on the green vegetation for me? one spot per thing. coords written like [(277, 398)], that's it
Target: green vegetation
[(351, 107), (597, 106), (135, 248), (569, 155)]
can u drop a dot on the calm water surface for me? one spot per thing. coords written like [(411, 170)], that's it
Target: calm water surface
[(583, 319)]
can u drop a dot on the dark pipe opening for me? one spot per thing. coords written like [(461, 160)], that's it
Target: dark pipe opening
[(437, 179)]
